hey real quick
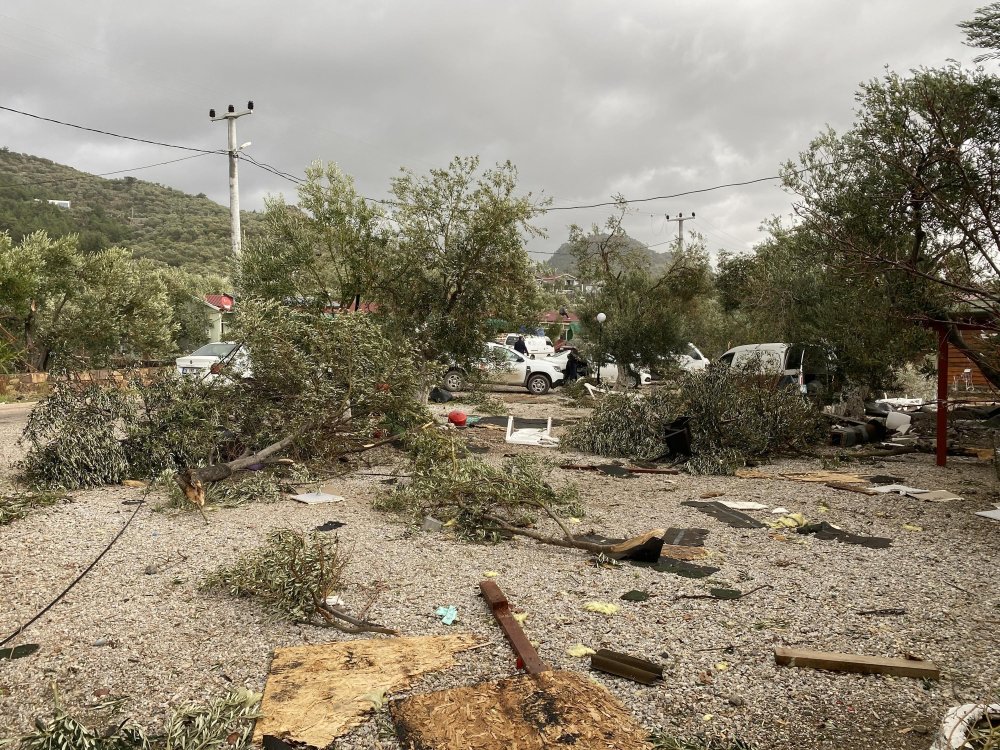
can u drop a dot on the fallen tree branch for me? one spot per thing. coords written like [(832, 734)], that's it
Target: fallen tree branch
[(332, 617)]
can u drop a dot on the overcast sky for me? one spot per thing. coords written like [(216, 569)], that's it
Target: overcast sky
[(588, 99)]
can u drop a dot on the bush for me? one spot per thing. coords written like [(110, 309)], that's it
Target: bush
[(292, 574), (734, 418), (478, 498)]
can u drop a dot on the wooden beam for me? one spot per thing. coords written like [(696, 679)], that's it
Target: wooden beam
[(533, 663), (800, 657)]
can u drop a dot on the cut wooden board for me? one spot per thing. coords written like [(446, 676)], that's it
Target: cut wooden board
[(842, 477), (526, 712), (314, 694), (800, 657)]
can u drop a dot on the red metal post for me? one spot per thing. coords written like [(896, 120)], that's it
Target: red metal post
[(533, 663), (942, 398)]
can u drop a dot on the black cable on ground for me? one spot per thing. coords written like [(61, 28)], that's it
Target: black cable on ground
[(21, 628)]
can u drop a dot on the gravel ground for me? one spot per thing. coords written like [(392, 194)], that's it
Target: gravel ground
[(138, 625)]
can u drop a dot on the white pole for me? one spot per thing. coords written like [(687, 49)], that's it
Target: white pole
[(234, 191), (234, 185)]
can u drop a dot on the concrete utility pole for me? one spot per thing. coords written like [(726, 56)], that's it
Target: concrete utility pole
[(680, 219), (231, 117)]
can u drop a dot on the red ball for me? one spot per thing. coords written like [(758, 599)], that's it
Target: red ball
[(457, 418)]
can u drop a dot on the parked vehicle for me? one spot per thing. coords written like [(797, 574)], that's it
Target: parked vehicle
[(810, 369), (609, 370), (538, 346), (691, 359), (503, 366), (214, 359)]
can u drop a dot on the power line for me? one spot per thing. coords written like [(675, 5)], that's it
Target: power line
[(104, 174), (106, 132)]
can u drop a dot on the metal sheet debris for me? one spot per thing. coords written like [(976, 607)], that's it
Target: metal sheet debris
[(899, 489), (330, 526), (733, 518), (18, 652), (629, 667), (685, 537), (828, 531)]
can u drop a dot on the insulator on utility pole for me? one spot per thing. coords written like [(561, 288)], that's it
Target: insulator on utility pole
[(231, 116), (680, 219)]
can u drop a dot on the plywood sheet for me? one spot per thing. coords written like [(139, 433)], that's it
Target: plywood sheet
[(526, 712), (315, 694)]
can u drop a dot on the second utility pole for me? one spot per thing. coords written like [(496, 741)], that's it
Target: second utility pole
[(680, 219), (234, 186)]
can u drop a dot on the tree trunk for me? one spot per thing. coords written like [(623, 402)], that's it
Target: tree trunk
[(192, 481)]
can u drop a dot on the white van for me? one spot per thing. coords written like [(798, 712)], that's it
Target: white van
[(538, 346), (809, 368)]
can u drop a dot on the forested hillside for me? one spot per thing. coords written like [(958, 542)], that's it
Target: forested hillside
[(562, 260), (151, 220)]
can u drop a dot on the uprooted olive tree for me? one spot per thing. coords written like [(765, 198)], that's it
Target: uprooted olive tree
[(318, 386), (733, 417), (482, 501)]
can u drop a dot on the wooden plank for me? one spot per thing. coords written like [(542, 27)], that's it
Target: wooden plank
[(533, 663), (800, 657)]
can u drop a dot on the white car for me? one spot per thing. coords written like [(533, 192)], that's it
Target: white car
[(213, 359), (503, 366), (609, 370), (692, 360)]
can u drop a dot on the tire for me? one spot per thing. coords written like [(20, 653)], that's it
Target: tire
[(538, 384), (453, 381), (632, 380)]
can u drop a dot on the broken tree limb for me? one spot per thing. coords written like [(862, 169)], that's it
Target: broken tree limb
[(333, 616), (609, 550), (192, 481), (385, 441)]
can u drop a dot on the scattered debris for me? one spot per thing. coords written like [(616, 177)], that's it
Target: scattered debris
[(604, 608), (958, 728), (330, 526), (912, 527), (490, 574), (526, 654), (431, 524), (439, 395), (742, 505), (685, 537), (578, 651), (781, 510), (890, 611), (936, 496), (899, 489), (828, 531), (797, 657), (629, 667), (617, 471), (682, 568), (531, 435), (635, 595), (849, 488), (315, 694), (18, 652), (724, 594), (527, 712), (317, 498), (293, 575), (448, 614), (733, 518), (790, 521), (991, 514)]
